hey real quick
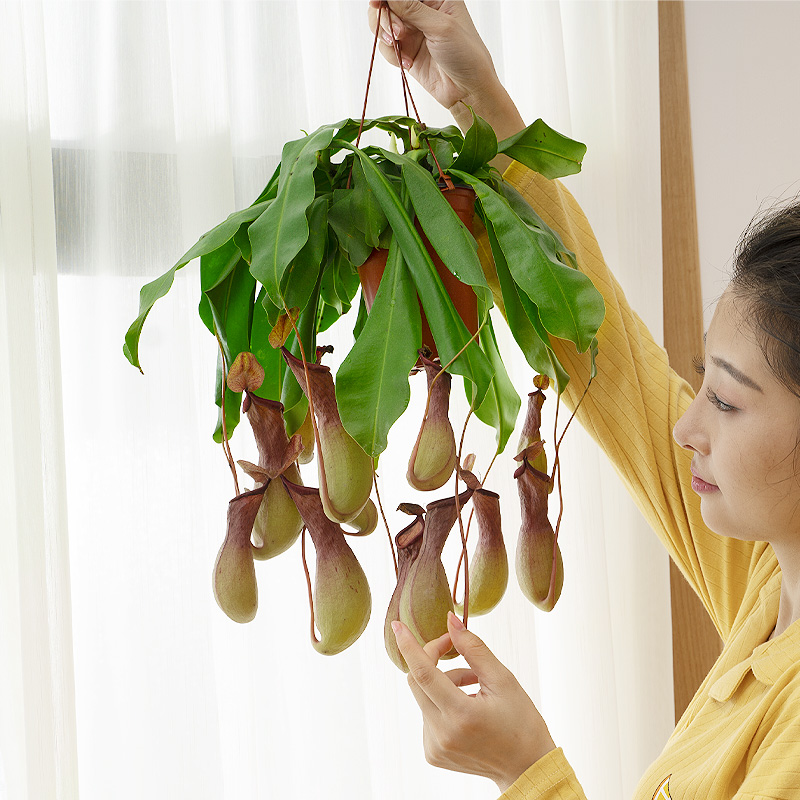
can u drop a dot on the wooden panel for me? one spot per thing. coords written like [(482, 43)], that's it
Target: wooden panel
[(695, 643)]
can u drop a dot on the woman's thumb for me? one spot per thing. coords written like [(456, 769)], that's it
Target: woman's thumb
[(424, 17), (477, 654)]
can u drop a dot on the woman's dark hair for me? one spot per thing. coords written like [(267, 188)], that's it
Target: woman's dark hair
[(766, 274)]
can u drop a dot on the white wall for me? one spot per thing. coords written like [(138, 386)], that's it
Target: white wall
[(744, 64)]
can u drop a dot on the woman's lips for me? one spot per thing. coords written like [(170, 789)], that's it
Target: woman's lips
[(702, 487)]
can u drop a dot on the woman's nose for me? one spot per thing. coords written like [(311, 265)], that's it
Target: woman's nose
[(689, 431)]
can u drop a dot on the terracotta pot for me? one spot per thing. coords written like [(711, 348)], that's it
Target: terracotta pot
[(462, 200)]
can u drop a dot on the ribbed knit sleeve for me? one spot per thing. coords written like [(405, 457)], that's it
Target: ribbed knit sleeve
[(631, 409), (550, 778)]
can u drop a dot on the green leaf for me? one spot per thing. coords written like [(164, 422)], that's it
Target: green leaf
[(271, 189), (242, 241), (327, 289), (449, 331), (450, 238), (279, 234), (231, 302), (346, 282), (480, 145), (328, 315), (341, 217), (372, 389), (361, 319), (502, 403), (269, 357), (593, 359), (523, 210), (301, 276), (367, 213), (218, 265), (209, 242), (293, 398), (441, 153), (399, 126), (532, 340), (233, 403), (214, 268), (569, 305), (544, 150), (450, 134), (231, 306)]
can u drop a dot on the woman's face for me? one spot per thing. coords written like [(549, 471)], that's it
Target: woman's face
[(743, 430)]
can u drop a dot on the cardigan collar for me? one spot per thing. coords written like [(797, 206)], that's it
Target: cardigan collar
[(768, 660)]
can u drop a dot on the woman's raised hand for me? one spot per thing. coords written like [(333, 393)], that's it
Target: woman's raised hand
[(442, 50), (497, 732)]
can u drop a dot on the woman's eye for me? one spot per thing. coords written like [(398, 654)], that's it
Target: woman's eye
[(699, 365), (715, 401)]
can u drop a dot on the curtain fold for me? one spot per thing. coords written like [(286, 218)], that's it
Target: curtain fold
[(37, 725), (157, 120)]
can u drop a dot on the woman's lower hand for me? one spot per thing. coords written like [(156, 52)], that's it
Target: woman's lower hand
[(443, 51), (496, 732)]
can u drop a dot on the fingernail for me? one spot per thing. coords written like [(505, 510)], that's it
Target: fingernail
[(396, 627), (455, 621), (407, 63), (388, 39), (396, 29)]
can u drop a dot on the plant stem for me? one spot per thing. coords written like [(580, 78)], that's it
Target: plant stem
[(308, 584), (469, 525), (464, 554), (385, 523), (556, 477), (445, 367), (308, 390)]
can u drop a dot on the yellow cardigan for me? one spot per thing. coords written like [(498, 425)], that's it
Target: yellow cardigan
[(740, 736)]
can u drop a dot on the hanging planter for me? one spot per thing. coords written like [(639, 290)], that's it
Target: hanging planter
[(462, 201), (389, 229)]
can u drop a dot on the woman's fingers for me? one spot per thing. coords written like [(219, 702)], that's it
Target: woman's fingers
[(423, 672), (462, 677), (437, 648), (483, 662)]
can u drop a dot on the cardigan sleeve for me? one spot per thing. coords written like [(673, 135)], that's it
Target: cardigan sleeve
[(550, 778), (630, 410)]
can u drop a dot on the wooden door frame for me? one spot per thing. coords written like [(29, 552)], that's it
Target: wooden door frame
[(695, 642)]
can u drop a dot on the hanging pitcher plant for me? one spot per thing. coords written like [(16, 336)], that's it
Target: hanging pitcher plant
[(389, 229)]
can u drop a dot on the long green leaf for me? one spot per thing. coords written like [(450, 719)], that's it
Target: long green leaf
[(501, 406), (480, 145), (209, 242), (455, 245), (269, 357), (279, 234), (231, 304), (233, 403), (544, 150), (569, 305), (449, 331), (524, 211), (295, 403), (301, 276), (218, 265), (341, 218), (534, 342), (372, 388), (214, 268)]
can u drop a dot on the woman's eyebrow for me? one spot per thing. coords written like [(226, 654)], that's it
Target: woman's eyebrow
[(736, 374)]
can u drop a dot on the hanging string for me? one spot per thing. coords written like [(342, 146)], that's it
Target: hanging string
[(407, 96)]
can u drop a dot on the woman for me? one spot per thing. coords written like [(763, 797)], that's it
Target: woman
[(716, 476)]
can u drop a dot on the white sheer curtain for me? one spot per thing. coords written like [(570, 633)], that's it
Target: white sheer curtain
[(128, 130)]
